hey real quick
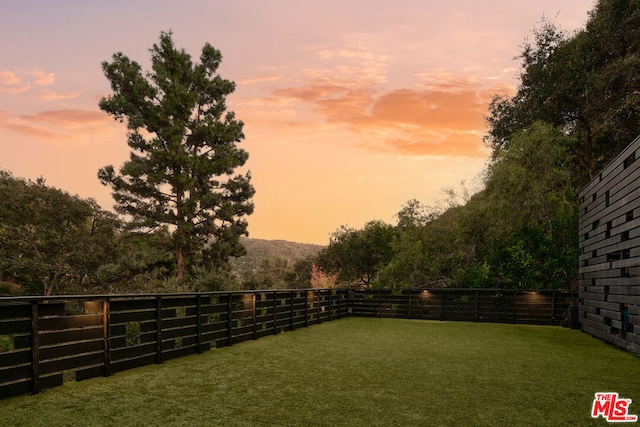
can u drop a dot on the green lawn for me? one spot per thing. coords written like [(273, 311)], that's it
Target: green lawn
[(357, 372)]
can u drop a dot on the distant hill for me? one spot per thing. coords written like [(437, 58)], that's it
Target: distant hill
[(260, 249)]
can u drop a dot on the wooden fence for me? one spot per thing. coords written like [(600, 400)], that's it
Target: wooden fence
[(45, 341), (540, 307)]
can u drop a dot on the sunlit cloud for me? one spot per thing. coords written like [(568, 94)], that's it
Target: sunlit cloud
[(440, 114), (261, 79), (58, 125), (11, 83), (41, 77), (48, 95), (445, 116)]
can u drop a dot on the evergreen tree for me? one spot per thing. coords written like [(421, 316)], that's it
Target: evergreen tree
[(182, 170)]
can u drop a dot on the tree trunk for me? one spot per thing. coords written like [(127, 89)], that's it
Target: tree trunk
[(180, 262), (179, 242)]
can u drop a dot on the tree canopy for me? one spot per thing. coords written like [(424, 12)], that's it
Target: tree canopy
[(51, 241), (182, 171)]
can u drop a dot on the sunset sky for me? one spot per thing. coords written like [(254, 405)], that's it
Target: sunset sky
[(351, 107)]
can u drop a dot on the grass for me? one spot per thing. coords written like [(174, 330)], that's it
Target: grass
[(357, 372)]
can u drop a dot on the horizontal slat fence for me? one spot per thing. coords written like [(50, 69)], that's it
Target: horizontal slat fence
[(540, 307), (45, 341)]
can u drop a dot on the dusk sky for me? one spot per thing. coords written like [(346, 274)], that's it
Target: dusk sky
[(351, 107)]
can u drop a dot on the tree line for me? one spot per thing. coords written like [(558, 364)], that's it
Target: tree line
[(182, 204)]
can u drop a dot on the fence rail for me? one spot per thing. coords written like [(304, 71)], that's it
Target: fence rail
[(45, 341)]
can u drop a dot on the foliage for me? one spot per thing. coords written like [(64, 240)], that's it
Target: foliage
[(356, 256), (535, 243), (185, 152), (144, 263), (586, 84), (49, 239)]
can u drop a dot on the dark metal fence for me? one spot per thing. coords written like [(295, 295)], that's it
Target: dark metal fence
[(45, 341)]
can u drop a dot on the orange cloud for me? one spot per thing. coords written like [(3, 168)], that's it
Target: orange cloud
[(262, 79), (48, 95), (58, 125), (11, 83), (437, 119), (42, 78), (69, 119)]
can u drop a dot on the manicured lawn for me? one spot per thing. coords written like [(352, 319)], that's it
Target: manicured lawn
[(357, 372)]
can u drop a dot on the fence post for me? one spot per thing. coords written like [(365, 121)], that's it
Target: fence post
[(198, 324), (553, 307), (229, 319), (158, 329), (291, 311), (515, 306), (329, 302), (275, 313), (477, 314), (253, 313), (306, 308), (409, 308), (35, 349), (318, 308), (442, 305), (106, 336)]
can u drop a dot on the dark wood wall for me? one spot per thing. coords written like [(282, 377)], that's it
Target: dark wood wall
[(610, 252)]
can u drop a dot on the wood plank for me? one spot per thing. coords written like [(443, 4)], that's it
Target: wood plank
[(15, 373), (15, 389), (125, 364), (18, 326), (68, 363), (119, 305), (70, 349), (90, 372), (68, 335), (15, 357), (15, 311)]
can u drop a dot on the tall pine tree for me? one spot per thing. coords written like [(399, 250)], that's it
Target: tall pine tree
[(182, 170)]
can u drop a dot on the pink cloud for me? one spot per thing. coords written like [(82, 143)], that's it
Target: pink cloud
[(11, 83), (261, 79), (59, 125), (42, 78), (48, 95)]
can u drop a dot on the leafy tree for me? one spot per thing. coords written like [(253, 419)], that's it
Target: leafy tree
[(49, 239), (533, 210), (144, 262), (185, 153), (586, 84), (356, 256)]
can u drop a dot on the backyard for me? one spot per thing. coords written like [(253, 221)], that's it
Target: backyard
[(357, 372)]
